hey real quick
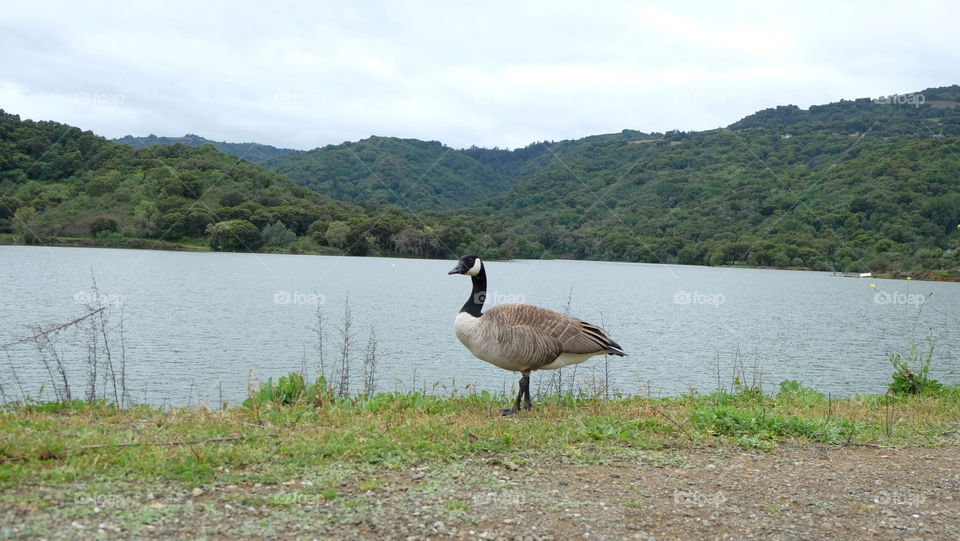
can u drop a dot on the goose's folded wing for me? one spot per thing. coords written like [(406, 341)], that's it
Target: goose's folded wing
[(569, 334), (530, 345), (588, 339)]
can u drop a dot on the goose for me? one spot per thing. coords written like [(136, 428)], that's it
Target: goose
[(521, 337)]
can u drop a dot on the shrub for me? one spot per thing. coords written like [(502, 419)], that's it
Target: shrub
[(103, 225), (234, 236), (796, 392), (911, 375), (277, 234), (288, 390)]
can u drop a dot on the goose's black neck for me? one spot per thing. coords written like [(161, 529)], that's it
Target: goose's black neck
[(474, 304)]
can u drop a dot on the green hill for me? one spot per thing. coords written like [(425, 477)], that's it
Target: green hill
[(412, 174), (58, 181), (861, 185), (855, 185), (252, 152)]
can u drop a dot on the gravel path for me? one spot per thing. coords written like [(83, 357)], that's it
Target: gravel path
[(794, 492)]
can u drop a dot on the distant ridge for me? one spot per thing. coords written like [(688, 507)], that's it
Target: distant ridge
[(252, 152)]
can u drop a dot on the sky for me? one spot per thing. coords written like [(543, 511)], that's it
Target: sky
[(308, 74)]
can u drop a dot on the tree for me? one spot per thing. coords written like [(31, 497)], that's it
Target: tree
[(8, 206), (103, 184), (25, 224), (235, 236), (337, 233), (411, 240), (231, 199), (145, 216), (277, 234), (103, 225), (944, 211), (195, 222)]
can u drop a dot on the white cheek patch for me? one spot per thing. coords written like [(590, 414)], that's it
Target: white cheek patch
[(475, 269)]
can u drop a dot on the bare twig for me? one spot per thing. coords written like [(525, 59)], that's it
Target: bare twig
[(346, 339), (318, 330), (124, 392), (370, 365), (38, 332), (676, 424)]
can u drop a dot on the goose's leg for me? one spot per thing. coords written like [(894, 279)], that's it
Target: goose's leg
[(516, 403), (525, 386), (523, 395)]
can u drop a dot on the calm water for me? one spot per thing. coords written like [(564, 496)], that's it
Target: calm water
[(198, 324)]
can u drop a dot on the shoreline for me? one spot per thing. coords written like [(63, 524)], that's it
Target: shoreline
[(938, 275)]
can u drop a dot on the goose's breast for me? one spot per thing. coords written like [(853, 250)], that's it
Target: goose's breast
[(483, 345)]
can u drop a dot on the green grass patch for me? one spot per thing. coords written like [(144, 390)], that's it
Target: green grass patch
[(52, 444)]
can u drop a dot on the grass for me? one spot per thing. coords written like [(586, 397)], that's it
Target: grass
[(258, 470), (47, 444)]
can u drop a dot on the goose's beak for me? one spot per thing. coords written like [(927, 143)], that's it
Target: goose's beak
[(459, 269)]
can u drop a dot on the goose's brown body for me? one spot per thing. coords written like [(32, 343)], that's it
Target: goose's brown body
[(522, 337)]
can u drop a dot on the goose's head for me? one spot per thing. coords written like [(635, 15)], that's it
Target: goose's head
[(469, 265)]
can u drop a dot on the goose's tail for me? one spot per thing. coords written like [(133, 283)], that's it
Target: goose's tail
[(614, 349)]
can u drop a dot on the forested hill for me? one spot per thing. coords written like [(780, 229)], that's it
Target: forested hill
[(855, 185), (861, 185), (252, 152), (59, 181), (413, 174), (421, 175)]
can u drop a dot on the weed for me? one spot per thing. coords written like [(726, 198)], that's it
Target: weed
[(455, 505), (288, 390), (911, 372), (370, 485), (796, 393)]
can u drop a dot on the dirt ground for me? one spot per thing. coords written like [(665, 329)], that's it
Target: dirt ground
[(794, 492)]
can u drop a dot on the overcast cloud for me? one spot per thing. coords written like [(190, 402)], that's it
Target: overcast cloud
[(303, 75)]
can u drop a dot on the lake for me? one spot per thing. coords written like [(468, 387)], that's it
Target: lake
[(198, 326)]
